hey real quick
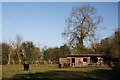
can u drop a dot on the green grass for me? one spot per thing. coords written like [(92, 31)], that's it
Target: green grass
[(52, 72)]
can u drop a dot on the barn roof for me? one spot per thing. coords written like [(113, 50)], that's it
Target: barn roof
[(86, 55)]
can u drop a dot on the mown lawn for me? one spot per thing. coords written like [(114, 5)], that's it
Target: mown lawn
[(52, 72)]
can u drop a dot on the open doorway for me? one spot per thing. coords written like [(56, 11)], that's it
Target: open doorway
[(93, 59), (73, 60)]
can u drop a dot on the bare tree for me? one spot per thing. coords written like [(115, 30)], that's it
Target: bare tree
[(18, 40), (81, 24), (18, 48)]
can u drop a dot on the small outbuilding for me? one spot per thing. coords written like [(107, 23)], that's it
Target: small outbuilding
[(82, 60)]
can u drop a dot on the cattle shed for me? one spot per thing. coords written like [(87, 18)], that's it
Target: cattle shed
[(82, 60)]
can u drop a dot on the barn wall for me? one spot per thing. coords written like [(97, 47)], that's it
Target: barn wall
[(79, 61)]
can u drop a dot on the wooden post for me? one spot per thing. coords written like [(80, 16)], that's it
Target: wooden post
[(70, 62), (73, 64)]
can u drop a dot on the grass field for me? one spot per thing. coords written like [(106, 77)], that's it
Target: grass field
[(52, 72)]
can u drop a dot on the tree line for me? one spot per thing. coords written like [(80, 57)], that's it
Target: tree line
[(17, 52), (81, 26)]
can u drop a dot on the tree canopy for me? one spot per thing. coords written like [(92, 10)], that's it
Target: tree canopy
[(5, 52), (81, 24)]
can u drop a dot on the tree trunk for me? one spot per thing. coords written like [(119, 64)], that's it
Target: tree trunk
[(9, 58), (13, 61), (51, 62), (80, 45), (19, 61), (43, 57), (80, 40)]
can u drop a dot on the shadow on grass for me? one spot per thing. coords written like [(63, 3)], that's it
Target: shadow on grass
[(107, 74), (68, 75)]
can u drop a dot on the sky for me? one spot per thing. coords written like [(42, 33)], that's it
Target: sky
[(119, 15), (60, 0), (43, 22)]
